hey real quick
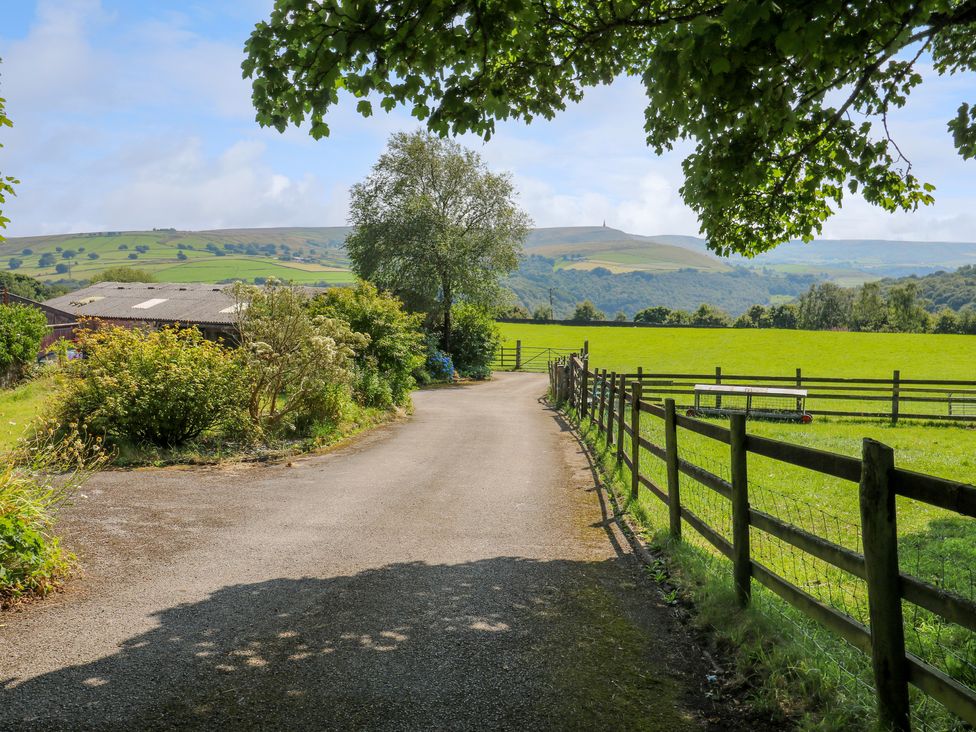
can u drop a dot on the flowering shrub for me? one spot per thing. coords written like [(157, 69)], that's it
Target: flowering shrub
[(298, 365), (161, 388), (440, 365)]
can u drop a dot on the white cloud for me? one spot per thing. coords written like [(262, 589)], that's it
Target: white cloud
[(183, 187), (122, 125)]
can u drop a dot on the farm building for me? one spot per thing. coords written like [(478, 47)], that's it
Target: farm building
[(211, 308), (60, 324)]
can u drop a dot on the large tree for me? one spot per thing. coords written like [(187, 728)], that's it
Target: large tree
[(7, 182), (787, 102), (432, 224)]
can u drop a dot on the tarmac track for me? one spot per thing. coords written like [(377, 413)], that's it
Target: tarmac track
[(455, 570)]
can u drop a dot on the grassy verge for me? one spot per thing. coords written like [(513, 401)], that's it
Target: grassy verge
[(20, 406), (782, 660), (212, 451)]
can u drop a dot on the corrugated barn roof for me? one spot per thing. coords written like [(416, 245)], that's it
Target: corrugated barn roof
[(163, 302)]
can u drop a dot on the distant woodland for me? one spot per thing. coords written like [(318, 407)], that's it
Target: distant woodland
[(631, 292)]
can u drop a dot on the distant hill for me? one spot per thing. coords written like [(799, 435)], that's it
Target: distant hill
[(590, 247), (849, 261), (306, 255), (576, 261), (733, 289)]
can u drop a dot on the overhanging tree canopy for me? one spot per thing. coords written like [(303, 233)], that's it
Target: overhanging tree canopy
[(787, 102), (6, 181)]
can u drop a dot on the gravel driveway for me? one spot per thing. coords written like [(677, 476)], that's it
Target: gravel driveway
[(452, 571)]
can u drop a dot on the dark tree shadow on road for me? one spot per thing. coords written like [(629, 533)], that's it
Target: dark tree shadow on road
[(502, 643)]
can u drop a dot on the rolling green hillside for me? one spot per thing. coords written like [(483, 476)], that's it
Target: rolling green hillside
[(309, 256), (312, 255), (592, 247)]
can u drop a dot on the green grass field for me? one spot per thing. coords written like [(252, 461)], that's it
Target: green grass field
[(942, 449), (762, 352)]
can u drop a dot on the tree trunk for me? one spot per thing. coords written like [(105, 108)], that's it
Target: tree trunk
[(448, 301)]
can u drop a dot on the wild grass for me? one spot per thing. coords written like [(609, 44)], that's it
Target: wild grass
[(35, 481)]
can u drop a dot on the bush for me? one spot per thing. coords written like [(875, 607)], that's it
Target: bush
[(14, 263), (395, 349), (543, 312), (299, 364), (33, 484), (711, 316), (587, 312), (124, 274), (161, 388), (474, 339), (678, 317), (657, 315), (21, 330)]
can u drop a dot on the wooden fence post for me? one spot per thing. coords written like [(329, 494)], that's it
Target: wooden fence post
[(742, 565), (621, 418), (572, 381), (880, 539), (799, 385), (671, 456), (584, 388), (603, 401), (586, 349), (895, 380), (518, 355), (611, 400), (718, 380), (635, 396)]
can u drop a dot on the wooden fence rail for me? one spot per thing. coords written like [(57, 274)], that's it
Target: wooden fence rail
[(527, 358), (618, 402), (891, 398)]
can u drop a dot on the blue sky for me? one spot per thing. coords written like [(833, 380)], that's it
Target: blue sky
[(130, 115)]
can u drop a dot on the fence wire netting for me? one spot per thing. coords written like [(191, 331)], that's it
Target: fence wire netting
[(822, 396), (940, 559)]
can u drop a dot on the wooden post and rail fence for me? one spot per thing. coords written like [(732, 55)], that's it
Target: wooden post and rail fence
[(895, 398), (617, 404)]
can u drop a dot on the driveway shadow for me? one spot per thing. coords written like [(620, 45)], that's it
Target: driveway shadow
[(503, 643)]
